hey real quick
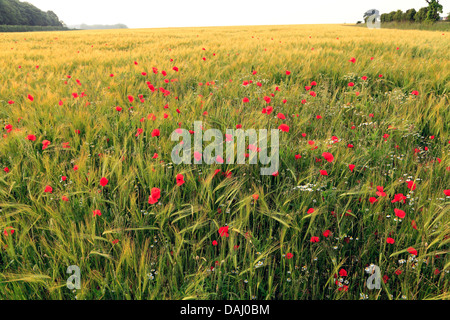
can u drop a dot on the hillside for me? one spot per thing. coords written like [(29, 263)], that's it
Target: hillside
[(16, 13)]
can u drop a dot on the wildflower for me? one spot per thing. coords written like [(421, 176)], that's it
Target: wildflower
[(180, 179), (103, 181), (154, 196), (223, 231)]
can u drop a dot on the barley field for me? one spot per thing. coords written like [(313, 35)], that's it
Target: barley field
[(87, 177)]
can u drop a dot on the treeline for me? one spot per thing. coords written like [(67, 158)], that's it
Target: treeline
[(16, 13), (425, 14), (6, 28)]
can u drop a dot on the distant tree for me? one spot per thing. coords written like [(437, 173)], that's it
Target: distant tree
[(398, 15), (421, 15), (53, 19), (434, 8), (409, 15), (390, 16)]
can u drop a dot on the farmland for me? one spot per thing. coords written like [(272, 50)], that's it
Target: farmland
[(87, 177)]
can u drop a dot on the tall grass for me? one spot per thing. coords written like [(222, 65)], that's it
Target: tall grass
[(165, 250)]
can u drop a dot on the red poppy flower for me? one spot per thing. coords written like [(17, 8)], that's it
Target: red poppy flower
[(390, 240), (284, 128), (380, 191), (96, 213), (48, 189), (398, 198), (103, 181), (214, 243), (328, 156), (223, 231), (314, 239), (411, 185), (326, 233), (45, 144), (288, 72), (412, 251), (155, 194), (8, 231), (281, 116), (342, 273), (351, 167), (447, 192), (399, 213), (245, 100), (310, 210), (31, 137), (289, 255), (352, 60), (155, 133), (180, 179), (30, 97), (64, 198), (373, 199), (324, 172)]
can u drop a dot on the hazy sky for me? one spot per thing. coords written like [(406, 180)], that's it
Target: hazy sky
[(190, 13)]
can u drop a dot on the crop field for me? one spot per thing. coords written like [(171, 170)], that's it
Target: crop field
[(88, 179)]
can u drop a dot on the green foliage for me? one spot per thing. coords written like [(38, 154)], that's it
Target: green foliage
[(16, 13), (425, 14), (409, 15), (434, 8), (24, 28), (421, 15)]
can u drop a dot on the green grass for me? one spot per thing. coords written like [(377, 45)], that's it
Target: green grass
[(437, 26), (165, 250)]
